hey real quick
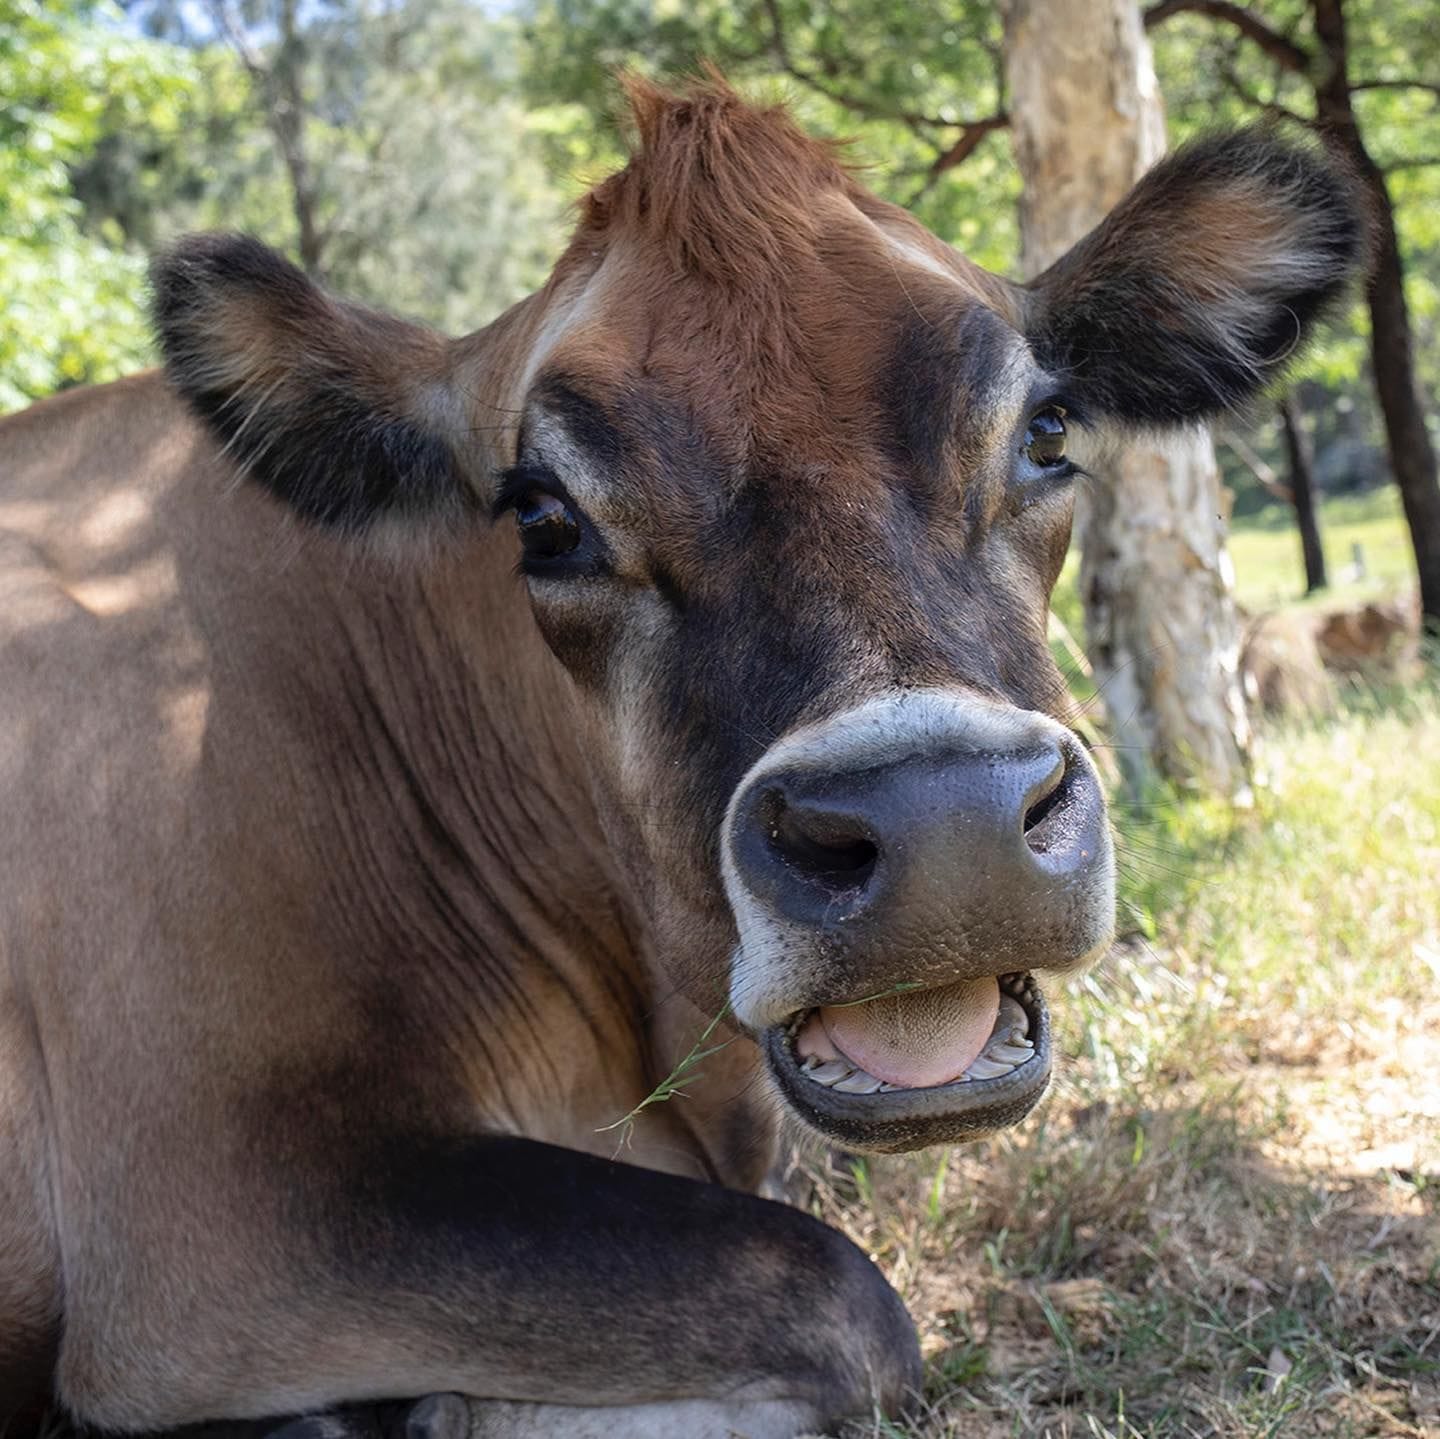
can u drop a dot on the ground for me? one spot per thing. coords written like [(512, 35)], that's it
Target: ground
[(1225, 1219)]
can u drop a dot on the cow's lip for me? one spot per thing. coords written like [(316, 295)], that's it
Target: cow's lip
[(895, 1120)]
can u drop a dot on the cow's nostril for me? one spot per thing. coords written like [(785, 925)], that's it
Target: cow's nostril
[(1044, 820), (829, 849)]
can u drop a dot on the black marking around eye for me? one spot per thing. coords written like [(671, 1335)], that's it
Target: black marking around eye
[(589, 424), (944, 379)]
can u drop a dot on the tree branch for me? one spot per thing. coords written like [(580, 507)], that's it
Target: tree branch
[(972, 132), (1262, 471), (1396, 85), (1279, 47), (780, 48), (1419, 162), (1273, 108), (234, 31)]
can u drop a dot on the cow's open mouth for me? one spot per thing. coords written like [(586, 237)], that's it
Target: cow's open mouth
[(926, 1066)]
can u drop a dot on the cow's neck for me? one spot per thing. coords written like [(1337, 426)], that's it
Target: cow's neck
[(467, 875)]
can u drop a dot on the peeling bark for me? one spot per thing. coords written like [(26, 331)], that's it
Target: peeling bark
[(1155, 576)]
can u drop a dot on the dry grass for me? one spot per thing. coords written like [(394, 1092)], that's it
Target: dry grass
[(1225, 1221)]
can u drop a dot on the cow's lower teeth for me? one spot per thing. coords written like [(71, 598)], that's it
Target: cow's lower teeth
[(858, 1083), (984, 1068), (1011, 1054), (831, 1071)]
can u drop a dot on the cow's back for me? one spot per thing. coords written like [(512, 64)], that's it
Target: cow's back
[(138, 906), (102, 674), (103, 670), (94, 690)]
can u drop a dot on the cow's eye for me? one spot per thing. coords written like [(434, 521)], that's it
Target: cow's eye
[(1045, 438), (548, 526)]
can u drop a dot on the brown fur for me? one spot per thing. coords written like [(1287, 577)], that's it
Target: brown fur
[(321, 881)]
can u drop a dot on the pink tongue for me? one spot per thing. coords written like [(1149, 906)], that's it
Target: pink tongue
[(918, 1039)]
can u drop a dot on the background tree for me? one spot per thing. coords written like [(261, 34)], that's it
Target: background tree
[(278, 72), (1295, 60), (1160, 620), (71, 291), (407, 168), (1301, 456)]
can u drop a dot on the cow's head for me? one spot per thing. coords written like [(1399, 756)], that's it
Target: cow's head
[(792, 481)]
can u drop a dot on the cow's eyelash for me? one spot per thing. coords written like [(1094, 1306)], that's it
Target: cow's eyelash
[(516, 482)]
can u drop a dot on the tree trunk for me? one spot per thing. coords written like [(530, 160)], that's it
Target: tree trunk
[(286, 107), (280, 86), (1412, 457), (1155, 576), (1302, 491)]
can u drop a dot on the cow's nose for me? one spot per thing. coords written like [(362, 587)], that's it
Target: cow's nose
[(942, 839)]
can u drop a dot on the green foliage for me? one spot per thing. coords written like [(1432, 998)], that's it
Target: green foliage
[(71, 292), (215, 168), (434, 190), (898, 81), (445, 138)]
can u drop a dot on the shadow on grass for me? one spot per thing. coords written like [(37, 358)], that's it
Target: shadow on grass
[(1157, 1272)]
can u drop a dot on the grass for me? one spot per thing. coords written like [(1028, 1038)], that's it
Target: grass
[(1269, 572), (1225, 1220)]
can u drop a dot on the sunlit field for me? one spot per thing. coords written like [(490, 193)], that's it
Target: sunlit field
[(1225, 1219), (1266, 552)]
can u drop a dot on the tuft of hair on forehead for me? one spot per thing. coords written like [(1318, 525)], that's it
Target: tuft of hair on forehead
[(727, 188)]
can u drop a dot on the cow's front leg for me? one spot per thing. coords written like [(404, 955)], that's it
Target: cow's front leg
[(453, 1416), (510, 1270), (436, 1416)]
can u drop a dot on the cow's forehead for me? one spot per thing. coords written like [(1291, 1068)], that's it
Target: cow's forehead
[(875, 352), (737, 276)]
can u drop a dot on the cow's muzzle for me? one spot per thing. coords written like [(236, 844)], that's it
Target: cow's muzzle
[(897, 874)]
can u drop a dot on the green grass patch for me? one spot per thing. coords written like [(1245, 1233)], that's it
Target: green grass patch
[(1269, 571)]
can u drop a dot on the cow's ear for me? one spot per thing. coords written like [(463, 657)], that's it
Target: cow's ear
[(1202, 283), (347, 415)]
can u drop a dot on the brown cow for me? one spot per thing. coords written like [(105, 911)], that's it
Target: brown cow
[(344, 902)]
